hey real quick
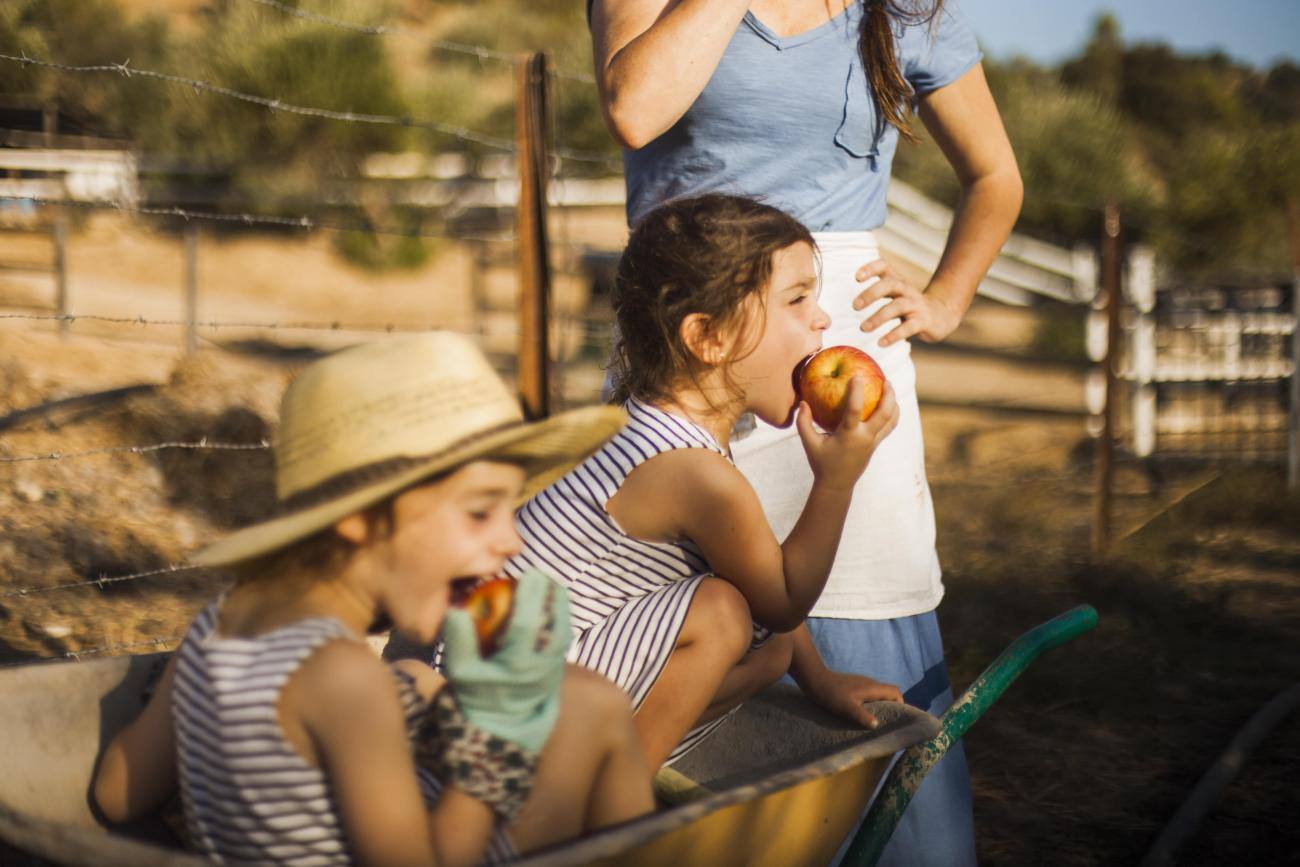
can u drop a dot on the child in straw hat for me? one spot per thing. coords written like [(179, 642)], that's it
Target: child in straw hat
[(398, 466)]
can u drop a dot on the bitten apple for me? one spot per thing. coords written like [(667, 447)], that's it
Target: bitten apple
[(822, 379), (489, 605)]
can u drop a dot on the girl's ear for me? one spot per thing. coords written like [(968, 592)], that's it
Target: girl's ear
[(701, 339), (354, 528)]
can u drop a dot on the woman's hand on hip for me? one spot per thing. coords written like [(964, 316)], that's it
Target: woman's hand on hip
[(919, 313)]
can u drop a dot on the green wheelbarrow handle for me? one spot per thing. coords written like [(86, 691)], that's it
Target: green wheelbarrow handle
[(916, 761)]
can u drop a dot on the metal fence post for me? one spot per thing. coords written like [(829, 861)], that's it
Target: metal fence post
[(191, 288), (1293, 415), (1293, 409), (532, 154), (1103, 469)]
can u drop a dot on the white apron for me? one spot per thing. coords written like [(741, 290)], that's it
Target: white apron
[(887, 565)]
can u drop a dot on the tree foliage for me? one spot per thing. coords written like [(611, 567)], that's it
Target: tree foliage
[(1200, 151)]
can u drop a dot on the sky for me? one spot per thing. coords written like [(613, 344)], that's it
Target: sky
[(1258, 32)]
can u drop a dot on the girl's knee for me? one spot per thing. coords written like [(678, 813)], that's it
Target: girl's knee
[(719, 612), (595, 695)]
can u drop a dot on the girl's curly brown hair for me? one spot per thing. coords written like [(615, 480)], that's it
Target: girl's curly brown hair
[(707, 255)]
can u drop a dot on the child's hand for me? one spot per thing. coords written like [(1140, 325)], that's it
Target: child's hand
[(485, 731), (514, 693), (846, 695), (839, 457)]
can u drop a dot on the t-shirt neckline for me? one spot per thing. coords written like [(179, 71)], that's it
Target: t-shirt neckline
[(783, 42)]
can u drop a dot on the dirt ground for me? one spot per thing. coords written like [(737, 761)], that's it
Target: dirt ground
[(1081, 762)]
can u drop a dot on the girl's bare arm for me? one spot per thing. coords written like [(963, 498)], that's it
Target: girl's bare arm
[(654, 57), (345, 700), (697, 495), (137, 771), (840, 692)]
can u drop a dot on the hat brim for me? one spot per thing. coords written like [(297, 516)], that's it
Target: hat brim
[(545, 449)]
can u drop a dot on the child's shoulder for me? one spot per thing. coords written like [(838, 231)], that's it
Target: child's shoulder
[(342, 657), (658, 496), (340, 672)]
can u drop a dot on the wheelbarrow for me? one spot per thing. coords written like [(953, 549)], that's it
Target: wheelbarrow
[(780, 783)]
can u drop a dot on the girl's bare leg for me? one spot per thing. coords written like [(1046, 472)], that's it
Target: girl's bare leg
[(591, 773), (714, 638), (757, 671)]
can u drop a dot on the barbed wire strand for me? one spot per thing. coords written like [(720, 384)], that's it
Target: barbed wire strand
[(75, 655), (100, 582), (338, 326), (275, 105), (299, 222), (246, 219), (201, 445), (481, 52)]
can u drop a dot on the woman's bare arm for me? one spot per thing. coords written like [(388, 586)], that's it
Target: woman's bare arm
[(965, 123), (654, 57)]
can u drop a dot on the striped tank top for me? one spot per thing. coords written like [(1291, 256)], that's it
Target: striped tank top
[(248, 796), (629, 597)]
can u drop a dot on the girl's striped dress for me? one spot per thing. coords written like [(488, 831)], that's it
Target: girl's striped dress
[(629, 597), (248, 796)]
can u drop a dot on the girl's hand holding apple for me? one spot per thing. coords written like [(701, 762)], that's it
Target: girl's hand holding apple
[(839, 457)]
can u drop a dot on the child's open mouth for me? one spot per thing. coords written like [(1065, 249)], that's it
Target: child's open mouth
[(462, 587)]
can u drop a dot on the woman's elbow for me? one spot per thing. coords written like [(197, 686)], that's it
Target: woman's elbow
[(1015, 190), (627, 127), (629, 119)]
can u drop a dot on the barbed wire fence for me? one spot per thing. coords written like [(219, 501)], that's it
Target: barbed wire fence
[(66, 316), (592, 331)]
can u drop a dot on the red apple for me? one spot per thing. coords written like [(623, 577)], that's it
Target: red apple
[(822, 379), (489, 605)]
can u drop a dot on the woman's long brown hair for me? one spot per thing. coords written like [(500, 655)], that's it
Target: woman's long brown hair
[(889, 90)]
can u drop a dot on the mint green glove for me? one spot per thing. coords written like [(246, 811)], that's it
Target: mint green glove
[(514, 694)]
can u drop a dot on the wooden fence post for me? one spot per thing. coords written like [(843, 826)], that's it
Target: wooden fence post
[(61, 271), (191, 288), (1140, 290), (532, 153), (1103, 469)]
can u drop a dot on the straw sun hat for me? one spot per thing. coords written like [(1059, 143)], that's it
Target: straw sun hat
[(365, 423)]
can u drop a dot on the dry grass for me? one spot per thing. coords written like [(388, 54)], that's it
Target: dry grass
[(1089, 754), (1083, 760)]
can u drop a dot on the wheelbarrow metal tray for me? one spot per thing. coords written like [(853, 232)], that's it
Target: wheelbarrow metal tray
[(783, 783), (788, 783)]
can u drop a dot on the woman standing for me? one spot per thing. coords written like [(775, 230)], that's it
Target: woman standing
[(801, 103)]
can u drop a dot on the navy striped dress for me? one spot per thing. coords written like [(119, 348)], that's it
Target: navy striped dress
[(629, 597), (248, 796)]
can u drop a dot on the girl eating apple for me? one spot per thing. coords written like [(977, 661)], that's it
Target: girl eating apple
[(681, 593)]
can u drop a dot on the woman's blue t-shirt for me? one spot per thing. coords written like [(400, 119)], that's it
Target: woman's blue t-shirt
[(790, 120)]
